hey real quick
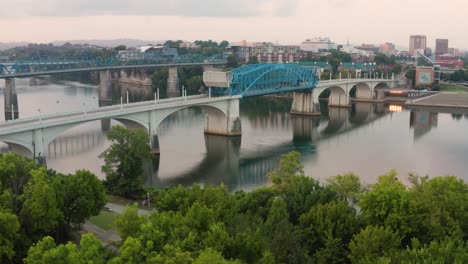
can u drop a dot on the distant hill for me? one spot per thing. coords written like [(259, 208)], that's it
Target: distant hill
[(111, 42), (93, 42), (9, 45)]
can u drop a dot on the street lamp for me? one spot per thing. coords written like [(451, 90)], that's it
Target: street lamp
[(40, 116)]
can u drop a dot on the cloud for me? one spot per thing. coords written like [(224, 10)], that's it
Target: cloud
[(187, 8)]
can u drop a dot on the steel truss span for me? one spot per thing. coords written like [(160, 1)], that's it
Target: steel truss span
[(261, 79), (43, 65)]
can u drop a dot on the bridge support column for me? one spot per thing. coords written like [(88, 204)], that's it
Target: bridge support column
[(154, 141), (39, 147), (173, 83), (105, 96), (229, 124), (339, 99), (364, 93), (306, 103), (11, 100)]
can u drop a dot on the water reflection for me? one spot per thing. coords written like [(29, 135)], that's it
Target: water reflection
[(423, 123)]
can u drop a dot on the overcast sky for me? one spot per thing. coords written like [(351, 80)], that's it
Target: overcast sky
[(284, 21)]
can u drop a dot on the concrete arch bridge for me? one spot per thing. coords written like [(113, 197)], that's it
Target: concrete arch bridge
[(222, 115)]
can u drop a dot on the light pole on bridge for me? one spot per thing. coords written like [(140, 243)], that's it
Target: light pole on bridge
[(40, 116)]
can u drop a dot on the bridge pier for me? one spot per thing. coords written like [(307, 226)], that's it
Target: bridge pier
[(305, 103), (39, 147), (225, 124), (154, 143), (173, 83), (10, 100), (105, 96)]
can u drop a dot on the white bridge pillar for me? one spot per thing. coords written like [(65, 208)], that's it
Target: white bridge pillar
[(105, 95), (10, 100), (39, 147), (306, 103), (225, 124), (173, 83)]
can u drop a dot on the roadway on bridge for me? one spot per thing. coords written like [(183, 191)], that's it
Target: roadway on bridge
[(91, 114)]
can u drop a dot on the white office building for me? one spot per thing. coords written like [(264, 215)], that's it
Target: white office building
[(317, 45)]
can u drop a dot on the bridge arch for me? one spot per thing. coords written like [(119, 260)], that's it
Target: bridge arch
[(261, 79), (338, 96), (361, 91), (19, 147)]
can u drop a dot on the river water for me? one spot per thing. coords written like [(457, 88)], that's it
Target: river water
[(366, 139)]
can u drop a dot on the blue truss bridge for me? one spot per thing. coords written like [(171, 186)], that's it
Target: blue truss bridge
[(45, 65), (262, 79)]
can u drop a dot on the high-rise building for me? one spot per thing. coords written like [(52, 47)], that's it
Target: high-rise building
[(441, 46), (388, 49), (417, 43)]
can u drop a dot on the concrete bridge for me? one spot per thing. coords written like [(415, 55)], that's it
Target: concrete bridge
[(222, 111)]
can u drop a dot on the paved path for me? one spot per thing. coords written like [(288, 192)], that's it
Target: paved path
[(119, 209), (454, 100)]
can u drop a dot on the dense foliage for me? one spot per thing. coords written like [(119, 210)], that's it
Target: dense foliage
[(123, 160), (35, 203), (296, 220)]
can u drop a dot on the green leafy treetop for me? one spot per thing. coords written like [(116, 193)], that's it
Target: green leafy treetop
[(123, 160)]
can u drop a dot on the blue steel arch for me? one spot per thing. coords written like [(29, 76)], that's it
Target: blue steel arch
[(261, 79)]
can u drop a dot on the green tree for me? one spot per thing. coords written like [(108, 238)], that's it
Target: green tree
[(387, 204), (281, 236), (348, 187), (83, 195), (159, 80), (39, 214), (253, 60), (9, 227), (232, 62), (213, 257), (123, 160), (120, 47), (14, 174), (129, 222), (372, 243), (46, 251), (447, 251), (327, 229), (224, 44), (438, 209)]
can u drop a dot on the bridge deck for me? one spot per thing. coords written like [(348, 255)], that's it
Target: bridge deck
[(91, 114)]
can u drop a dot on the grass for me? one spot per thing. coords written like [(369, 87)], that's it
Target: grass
[(445, 87), (104, 220)]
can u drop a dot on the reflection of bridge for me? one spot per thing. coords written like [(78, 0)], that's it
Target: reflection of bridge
[(226, 163), (222, 113), (74, 144)]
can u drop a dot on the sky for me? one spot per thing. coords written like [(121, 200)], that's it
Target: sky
[(282, 21)]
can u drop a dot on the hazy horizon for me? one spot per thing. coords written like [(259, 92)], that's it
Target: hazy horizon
[(282, 21)]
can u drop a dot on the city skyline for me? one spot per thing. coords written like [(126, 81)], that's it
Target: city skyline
[(285, 22)]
